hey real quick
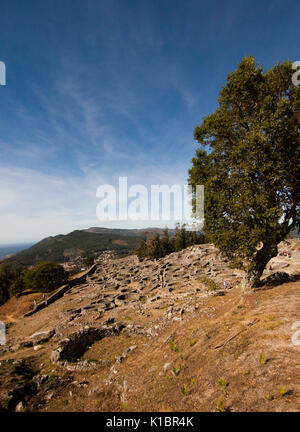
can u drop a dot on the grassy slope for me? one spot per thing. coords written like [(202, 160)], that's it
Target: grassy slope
[(249, 383)]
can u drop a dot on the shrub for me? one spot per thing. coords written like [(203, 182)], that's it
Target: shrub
[(11, 281), (282, 391), (223, 384), (262, 359), (45, 277), (209, 283), (220, 406)]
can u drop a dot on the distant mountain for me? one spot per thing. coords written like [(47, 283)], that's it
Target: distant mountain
[(12, 249), (127, 232), (60, 248)]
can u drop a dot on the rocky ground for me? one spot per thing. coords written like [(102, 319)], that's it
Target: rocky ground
[(178, 334)]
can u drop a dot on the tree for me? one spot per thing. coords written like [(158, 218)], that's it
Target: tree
[(181, 237), (10, 280), (45, 277), (154, 250), (17, 286), (166, 244), (177, 239), (141, 248), (251, 167)]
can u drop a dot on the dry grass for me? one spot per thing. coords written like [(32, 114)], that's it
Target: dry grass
[(192, 382)]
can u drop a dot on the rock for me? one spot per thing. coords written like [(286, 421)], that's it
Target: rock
[(15, 347), (42, 336), (93, 390), (49, 396), (82, 384), (119, 358), (167, 366), (168, 338), (40, 379), (37, 347), (131, 348), (55, 355), (19, 407)]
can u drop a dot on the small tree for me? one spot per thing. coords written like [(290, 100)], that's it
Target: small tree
[(251, 170), (11, 278), (154, 249), (141, 248), (177, 238), (166, 245), (181, 237), (45, 277)]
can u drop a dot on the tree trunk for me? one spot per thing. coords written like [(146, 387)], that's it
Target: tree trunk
[(259, 263)]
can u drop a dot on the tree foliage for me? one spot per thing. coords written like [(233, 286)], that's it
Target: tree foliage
[(45, 277), (154, 247), (248, 162), (11, 280)]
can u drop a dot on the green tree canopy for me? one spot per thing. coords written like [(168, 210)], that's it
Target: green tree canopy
[(251, 166), (11, 280), (45, 277), (154, 246)]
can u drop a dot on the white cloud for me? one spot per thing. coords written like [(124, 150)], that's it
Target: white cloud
[(35, 205)]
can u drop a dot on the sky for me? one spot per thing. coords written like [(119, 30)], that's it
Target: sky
[(97, 90)]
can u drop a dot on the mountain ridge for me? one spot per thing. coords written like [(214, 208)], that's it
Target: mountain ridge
[(64, 247)]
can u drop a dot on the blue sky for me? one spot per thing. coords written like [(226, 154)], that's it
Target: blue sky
[(101, 89)]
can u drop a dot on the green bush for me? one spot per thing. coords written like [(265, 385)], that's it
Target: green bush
[(10, 280), (45, 277), (209, 283)]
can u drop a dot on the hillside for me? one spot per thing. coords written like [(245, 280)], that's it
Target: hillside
[(60, 248), (128, 232), (164, 335)]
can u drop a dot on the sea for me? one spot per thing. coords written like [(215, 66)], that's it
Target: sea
[(13, 248)]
